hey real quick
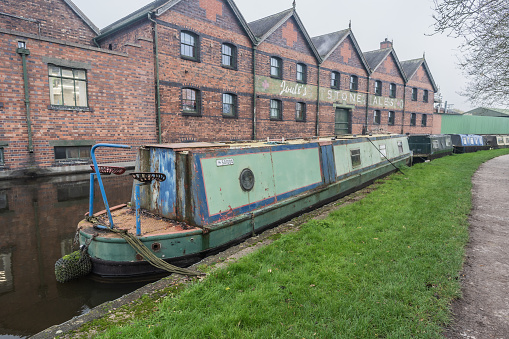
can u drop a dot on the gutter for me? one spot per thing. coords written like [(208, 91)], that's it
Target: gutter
[(254, 91), (403, 111), (365, 129), (24, 53), (317, 129), (158, 93)]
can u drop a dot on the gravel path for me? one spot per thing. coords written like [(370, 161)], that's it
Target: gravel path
[(483, 312)]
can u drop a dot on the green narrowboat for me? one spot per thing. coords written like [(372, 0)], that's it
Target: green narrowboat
[(209, 196), (430, 146)]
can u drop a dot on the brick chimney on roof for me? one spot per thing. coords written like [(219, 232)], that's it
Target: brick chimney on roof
[(385, 44)]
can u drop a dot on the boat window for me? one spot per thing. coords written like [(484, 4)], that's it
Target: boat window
[(500, 140), (1, 156), (435, 144), (355, 155), (448, 142), (464, 141), (383, 151), (400, 146), (72, 152), (472, 141), (506, 140)]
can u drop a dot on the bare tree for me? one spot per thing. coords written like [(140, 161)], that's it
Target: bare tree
[(484, 27)]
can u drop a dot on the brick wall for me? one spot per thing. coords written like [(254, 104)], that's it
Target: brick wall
[(121, 106), (421, 82), (54, 17), (214, 24), (289, 44), (347, 61)]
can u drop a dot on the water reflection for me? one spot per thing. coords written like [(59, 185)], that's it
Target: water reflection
[(38, 222)]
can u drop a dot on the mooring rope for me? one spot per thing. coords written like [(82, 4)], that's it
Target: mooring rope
[(142, 250)]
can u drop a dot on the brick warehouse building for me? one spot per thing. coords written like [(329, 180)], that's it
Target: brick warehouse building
[(188, 70)]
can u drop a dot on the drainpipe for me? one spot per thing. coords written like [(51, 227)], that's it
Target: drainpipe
[(24, 52), (403, 112), (365, 131), (254, 92), (158, 95), (317, 128)]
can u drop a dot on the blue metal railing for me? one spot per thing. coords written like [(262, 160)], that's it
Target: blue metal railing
[(99, 180)]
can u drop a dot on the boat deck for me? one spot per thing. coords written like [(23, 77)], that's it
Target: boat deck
[(125, 219)]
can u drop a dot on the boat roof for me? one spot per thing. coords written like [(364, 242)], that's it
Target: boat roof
[(262, 143)]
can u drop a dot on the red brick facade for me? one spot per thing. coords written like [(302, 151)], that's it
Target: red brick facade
[(131, 82), (120, 92)]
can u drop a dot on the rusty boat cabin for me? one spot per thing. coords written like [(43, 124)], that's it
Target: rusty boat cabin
[(196, 199)]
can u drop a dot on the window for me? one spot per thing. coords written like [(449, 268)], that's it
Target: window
[(68, 86), (355, 156), (354, 83), (414, 94), (229, 105), (400, 147), (275, 109), (378, 88), (1, 156), (229, 56), (301, 73), (334, 80), (72, 152), (190, 101), (425, 96), (392, 90), (392, 118), (383, 151), (424, 120), (412, 119), (376, 117), (300, 111), (275, 68), (434, 144), (189, 45)]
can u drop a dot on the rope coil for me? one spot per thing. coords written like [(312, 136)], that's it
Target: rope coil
[(142, 250)]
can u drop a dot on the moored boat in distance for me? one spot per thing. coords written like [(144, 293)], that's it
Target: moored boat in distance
[(196, 199)]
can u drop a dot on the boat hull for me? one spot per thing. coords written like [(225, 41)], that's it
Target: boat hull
[(113, 258)]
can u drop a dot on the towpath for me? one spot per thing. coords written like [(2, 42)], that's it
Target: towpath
[(483, 311)]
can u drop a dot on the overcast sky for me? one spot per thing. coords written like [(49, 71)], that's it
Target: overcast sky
[(406, 22)]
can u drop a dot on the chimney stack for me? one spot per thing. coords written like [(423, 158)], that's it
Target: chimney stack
[(386, 44)]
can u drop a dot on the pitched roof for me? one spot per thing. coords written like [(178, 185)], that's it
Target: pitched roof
[(264, 27), (411, 66), (376, 57), (487, 111), (158, 7), (326, 44), (82, 16)]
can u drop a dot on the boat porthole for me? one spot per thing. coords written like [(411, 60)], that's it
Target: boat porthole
[(156, 246), (246, 179), (139, 257)]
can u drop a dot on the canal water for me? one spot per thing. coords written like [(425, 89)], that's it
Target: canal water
[(38, 220)]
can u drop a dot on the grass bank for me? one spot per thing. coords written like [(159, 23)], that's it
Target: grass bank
[(386, 266)]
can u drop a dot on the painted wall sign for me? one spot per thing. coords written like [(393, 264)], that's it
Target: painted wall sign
[(224, 162), (300, 91)]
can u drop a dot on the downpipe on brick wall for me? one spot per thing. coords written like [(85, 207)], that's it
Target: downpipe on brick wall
[(365, 128), (24, 52), (254, 91), (317, 128), (158, 93)]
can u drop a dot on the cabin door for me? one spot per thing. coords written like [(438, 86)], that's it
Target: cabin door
[(342, 121)]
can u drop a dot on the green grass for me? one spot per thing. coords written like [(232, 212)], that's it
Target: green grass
[(384, 267)]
